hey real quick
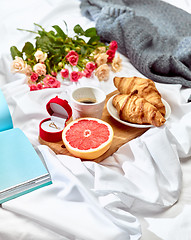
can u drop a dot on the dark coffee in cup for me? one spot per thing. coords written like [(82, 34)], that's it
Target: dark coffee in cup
[(87, 100)]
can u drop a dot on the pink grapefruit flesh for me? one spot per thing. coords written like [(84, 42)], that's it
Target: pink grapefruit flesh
[(87, 138)]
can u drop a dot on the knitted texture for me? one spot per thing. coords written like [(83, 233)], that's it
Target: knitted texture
[(154, 35)]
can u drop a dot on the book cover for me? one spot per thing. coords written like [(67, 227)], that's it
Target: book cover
[(21, 168)]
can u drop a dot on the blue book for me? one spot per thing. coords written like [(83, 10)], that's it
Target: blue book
[(22, 169)]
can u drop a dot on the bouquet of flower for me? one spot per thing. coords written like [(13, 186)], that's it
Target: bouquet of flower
[(74, 58)]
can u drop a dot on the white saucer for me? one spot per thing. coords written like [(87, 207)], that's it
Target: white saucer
[(113, 112)]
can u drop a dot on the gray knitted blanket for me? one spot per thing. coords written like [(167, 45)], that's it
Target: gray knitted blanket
[(154, 35)]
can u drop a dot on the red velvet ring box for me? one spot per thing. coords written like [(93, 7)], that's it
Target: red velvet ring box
[(50, 129)]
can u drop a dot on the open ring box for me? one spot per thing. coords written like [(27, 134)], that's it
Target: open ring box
[(50, 129)]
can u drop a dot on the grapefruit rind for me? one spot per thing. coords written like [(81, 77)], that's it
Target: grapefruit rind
[(90, 153)]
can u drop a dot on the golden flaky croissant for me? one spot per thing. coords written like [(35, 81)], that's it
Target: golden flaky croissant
[(146, 88), (135, 109)]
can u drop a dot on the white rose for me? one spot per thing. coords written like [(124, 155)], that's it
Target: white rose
[(40, 56), (102, 72), (18, 65), (101, 59), (28, 70), (116, 64), (40, 69)]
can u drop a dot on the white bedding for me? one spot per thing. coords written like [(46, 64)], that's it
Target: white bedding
[(143, 191)]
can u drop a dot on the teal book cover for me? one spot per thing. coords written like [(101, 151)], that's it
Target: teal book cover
[(21, 168)]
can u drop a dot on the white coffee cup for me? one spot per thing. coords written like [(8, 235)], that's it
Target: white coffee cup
[(87, 102)]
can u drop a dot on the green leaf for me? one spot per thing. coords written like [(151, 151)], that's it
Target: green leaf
[(66, 27), (79, 40), (20, 29), (15, 52), (56, 59), (60, 32), (48, 66), (94, 40), (51, 35), (44, 43), (28, 48), (78, 29), (83, 50), (38, 25), (41, 33), (91, 32)]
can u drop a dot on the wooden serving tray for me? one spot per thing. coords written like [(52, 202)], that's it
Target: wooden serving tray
[(122, 134)]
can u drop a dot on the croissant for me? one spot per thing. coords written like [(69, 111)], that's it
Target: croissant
[(135, 109), (146, 88)]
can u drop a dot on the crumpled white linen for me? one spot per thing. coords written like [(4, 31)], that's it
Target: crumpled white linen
[(143, 176), (152, 174), (68, 208)]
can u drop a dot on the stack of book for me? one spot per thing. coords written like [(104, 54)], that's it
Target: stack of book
[(22, 169)]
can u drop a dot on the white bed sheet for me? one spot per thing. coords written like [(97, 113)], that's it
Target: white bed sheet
[(114, 214)]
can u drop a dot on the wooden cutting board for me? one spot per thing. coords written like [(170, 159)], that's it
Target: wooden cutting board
[(122, 134)]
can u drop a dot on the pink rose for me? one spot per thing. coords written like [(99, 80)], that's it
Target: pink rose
[(111, 55), (40, 69), (39, 86), (64, 73), (33, 87), (74, 76), (113, 46), (87, 73), (72, 58), (90, 66), (58, 84), (71, 53), (34, 77), (51, 82), (80, 74), (54, 74)]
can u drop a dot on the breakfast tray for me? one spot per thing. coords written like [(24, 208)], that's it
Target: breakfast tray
[(122, 134)]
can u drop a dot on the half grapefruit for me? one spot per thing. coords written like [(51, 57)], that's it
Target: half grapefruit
[(87, 138)]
